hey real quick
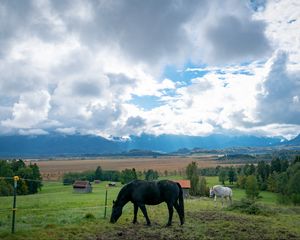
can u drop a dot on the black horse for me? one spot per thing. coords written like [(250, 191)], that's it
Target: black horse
[(141, 192)]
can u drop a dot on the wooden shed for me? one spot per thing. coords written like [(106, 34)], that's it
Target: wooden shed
[(82, 187), (186, 185)]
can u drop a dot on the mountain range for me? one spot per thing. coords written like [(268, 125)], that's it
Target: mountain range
[(68, 145)]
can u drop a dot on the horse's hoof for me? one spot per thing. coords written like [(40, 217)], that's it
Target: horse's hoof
[(168, 225)]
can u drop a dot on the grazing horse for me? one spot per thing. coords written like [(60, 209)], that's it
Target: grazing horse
[(141, 192), (221, 192)]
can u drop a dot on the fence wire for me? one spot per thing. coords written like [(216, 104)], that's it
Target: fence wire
[(3, 210)]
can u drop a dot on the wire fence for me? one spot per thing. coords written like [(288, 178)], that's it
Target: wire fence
[(47, 204)]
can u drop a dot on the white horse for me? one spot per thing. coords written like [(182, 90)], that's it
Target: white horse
[(219, 191)]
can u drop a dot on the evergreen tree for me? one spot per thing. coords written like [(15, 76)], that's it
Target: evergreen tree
[(271, 182), (98, 173), (276, 165), (6, 189), (222, 176), (282, 187), (191, 170), (194, 190), (251, 169), (241, 181), (261, 170), (281, 183), (5, 169), (203, 189), (17, 164), (297, 159), (35, 185), (294, 188), (128, 175), (232, 177), (284, 164), (251, 187), (192, 175), (151, 175)]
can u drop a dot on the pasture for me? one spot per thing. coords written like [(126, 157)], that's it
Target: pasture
[(57, 213)]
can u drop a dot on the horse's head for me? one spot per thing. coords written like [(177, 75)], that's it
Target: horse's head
[(116, 212), (211, 192)]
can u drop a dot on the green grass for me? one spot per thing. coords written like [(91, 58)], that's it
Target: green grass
[(58, 213)]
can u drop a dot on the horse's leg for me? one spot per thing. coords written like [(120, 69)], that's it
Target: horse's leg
[(176, 206), (170, 208), (215, 200), (144, 210), (136, 208), (222, 198)]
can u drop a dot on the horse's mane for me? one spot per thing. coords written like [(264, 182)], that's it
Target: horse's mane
[(123, 192)]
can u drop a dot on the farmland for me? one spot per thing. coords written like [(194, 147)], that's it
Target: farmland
[(57, 213), (54, 169)]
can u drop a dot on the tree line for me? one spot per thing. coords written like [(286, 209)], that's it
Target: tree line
[(280, 176), (8, 169), (123, 176)]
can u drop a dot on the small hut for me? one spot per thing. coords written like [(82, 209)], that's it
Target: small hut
[(82, 187), (185, 185)]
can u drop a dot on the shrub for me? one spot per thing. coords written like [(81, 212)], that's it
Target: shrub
[(5, 188), (89, 216), (249, 206), (295, 198)]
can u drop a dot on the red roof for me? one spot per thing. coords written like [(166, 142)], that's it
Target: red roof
[(184, 183), (81, 184)]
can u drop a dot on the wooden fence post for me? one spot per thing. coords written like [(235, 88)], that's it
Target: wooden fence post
[(16, 178), (105, 207)]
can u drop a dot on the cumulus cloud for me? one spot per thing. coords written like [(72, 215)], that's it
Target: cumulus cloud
[(74, 66), (29, 111), (278, 101), (233, 39)]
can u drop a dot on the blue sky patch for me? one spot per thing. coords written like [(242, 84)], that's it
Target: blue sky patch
[(181, 75), (146, 102)]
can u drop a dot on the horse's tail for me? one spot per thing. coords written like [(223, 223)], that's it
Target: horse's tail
[(181, 203)]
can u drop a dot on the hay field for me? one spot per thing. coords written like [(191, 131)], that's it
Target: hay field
[(54, 169)]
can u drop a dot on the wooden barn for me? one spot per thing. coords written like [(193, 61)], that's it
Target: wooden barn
[(82, 187), (186, 185)]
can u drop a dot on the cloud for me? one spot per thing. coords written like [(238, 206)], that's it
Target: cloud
[(278, 101), (32, 132), (81, 66), (67, 131), (282, 20), (31, 110), (233, 40)]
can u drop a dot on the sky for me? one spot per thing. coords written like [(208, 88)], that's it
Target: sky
[(127, 67)]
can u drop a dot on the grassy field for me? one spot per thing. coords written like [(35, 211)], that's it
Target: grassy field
[(57, 213)]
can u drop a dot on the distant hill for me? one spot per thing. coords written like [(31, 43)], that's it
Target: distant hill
[(144, 145), (54, 144), (295, 141), (171, 143)]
